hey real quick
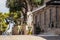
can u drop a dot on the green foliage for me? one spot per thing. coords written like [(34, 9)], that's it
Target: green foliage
[(3, 17), (16, 15), (36, 1), (10, 3), (3, 24), (29, 31), (39, 2), (16, 5)]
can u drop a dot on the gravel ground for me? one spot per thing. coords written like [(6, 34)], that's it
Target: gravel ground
[(21, 37)]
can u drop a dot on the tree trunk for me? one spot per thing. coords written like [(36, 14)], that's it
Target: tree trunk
[(0, 32)]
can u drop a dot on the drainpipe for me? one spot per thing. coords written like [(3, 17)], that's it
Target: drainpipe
[(50, 17), (56, 16)]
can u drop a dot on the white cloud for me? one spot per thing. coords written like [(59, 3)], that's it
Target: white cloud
[(3, 7)]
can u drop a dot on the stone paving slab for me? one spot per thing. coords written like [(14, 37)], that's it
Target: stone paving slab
[(21, 37)]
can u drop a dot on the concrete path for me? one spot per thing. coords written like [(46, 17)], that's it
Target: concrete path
[(51, 37)]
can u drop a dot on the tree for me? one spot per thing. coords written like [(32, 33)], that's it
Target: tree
[(21, 6), (18, 5)]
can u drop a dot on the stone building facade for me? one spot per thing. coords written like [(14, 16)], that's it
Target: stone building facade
[(46, 18)]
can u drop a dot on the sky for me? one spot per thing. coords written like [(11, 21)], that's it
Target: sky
[(3, 7)]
